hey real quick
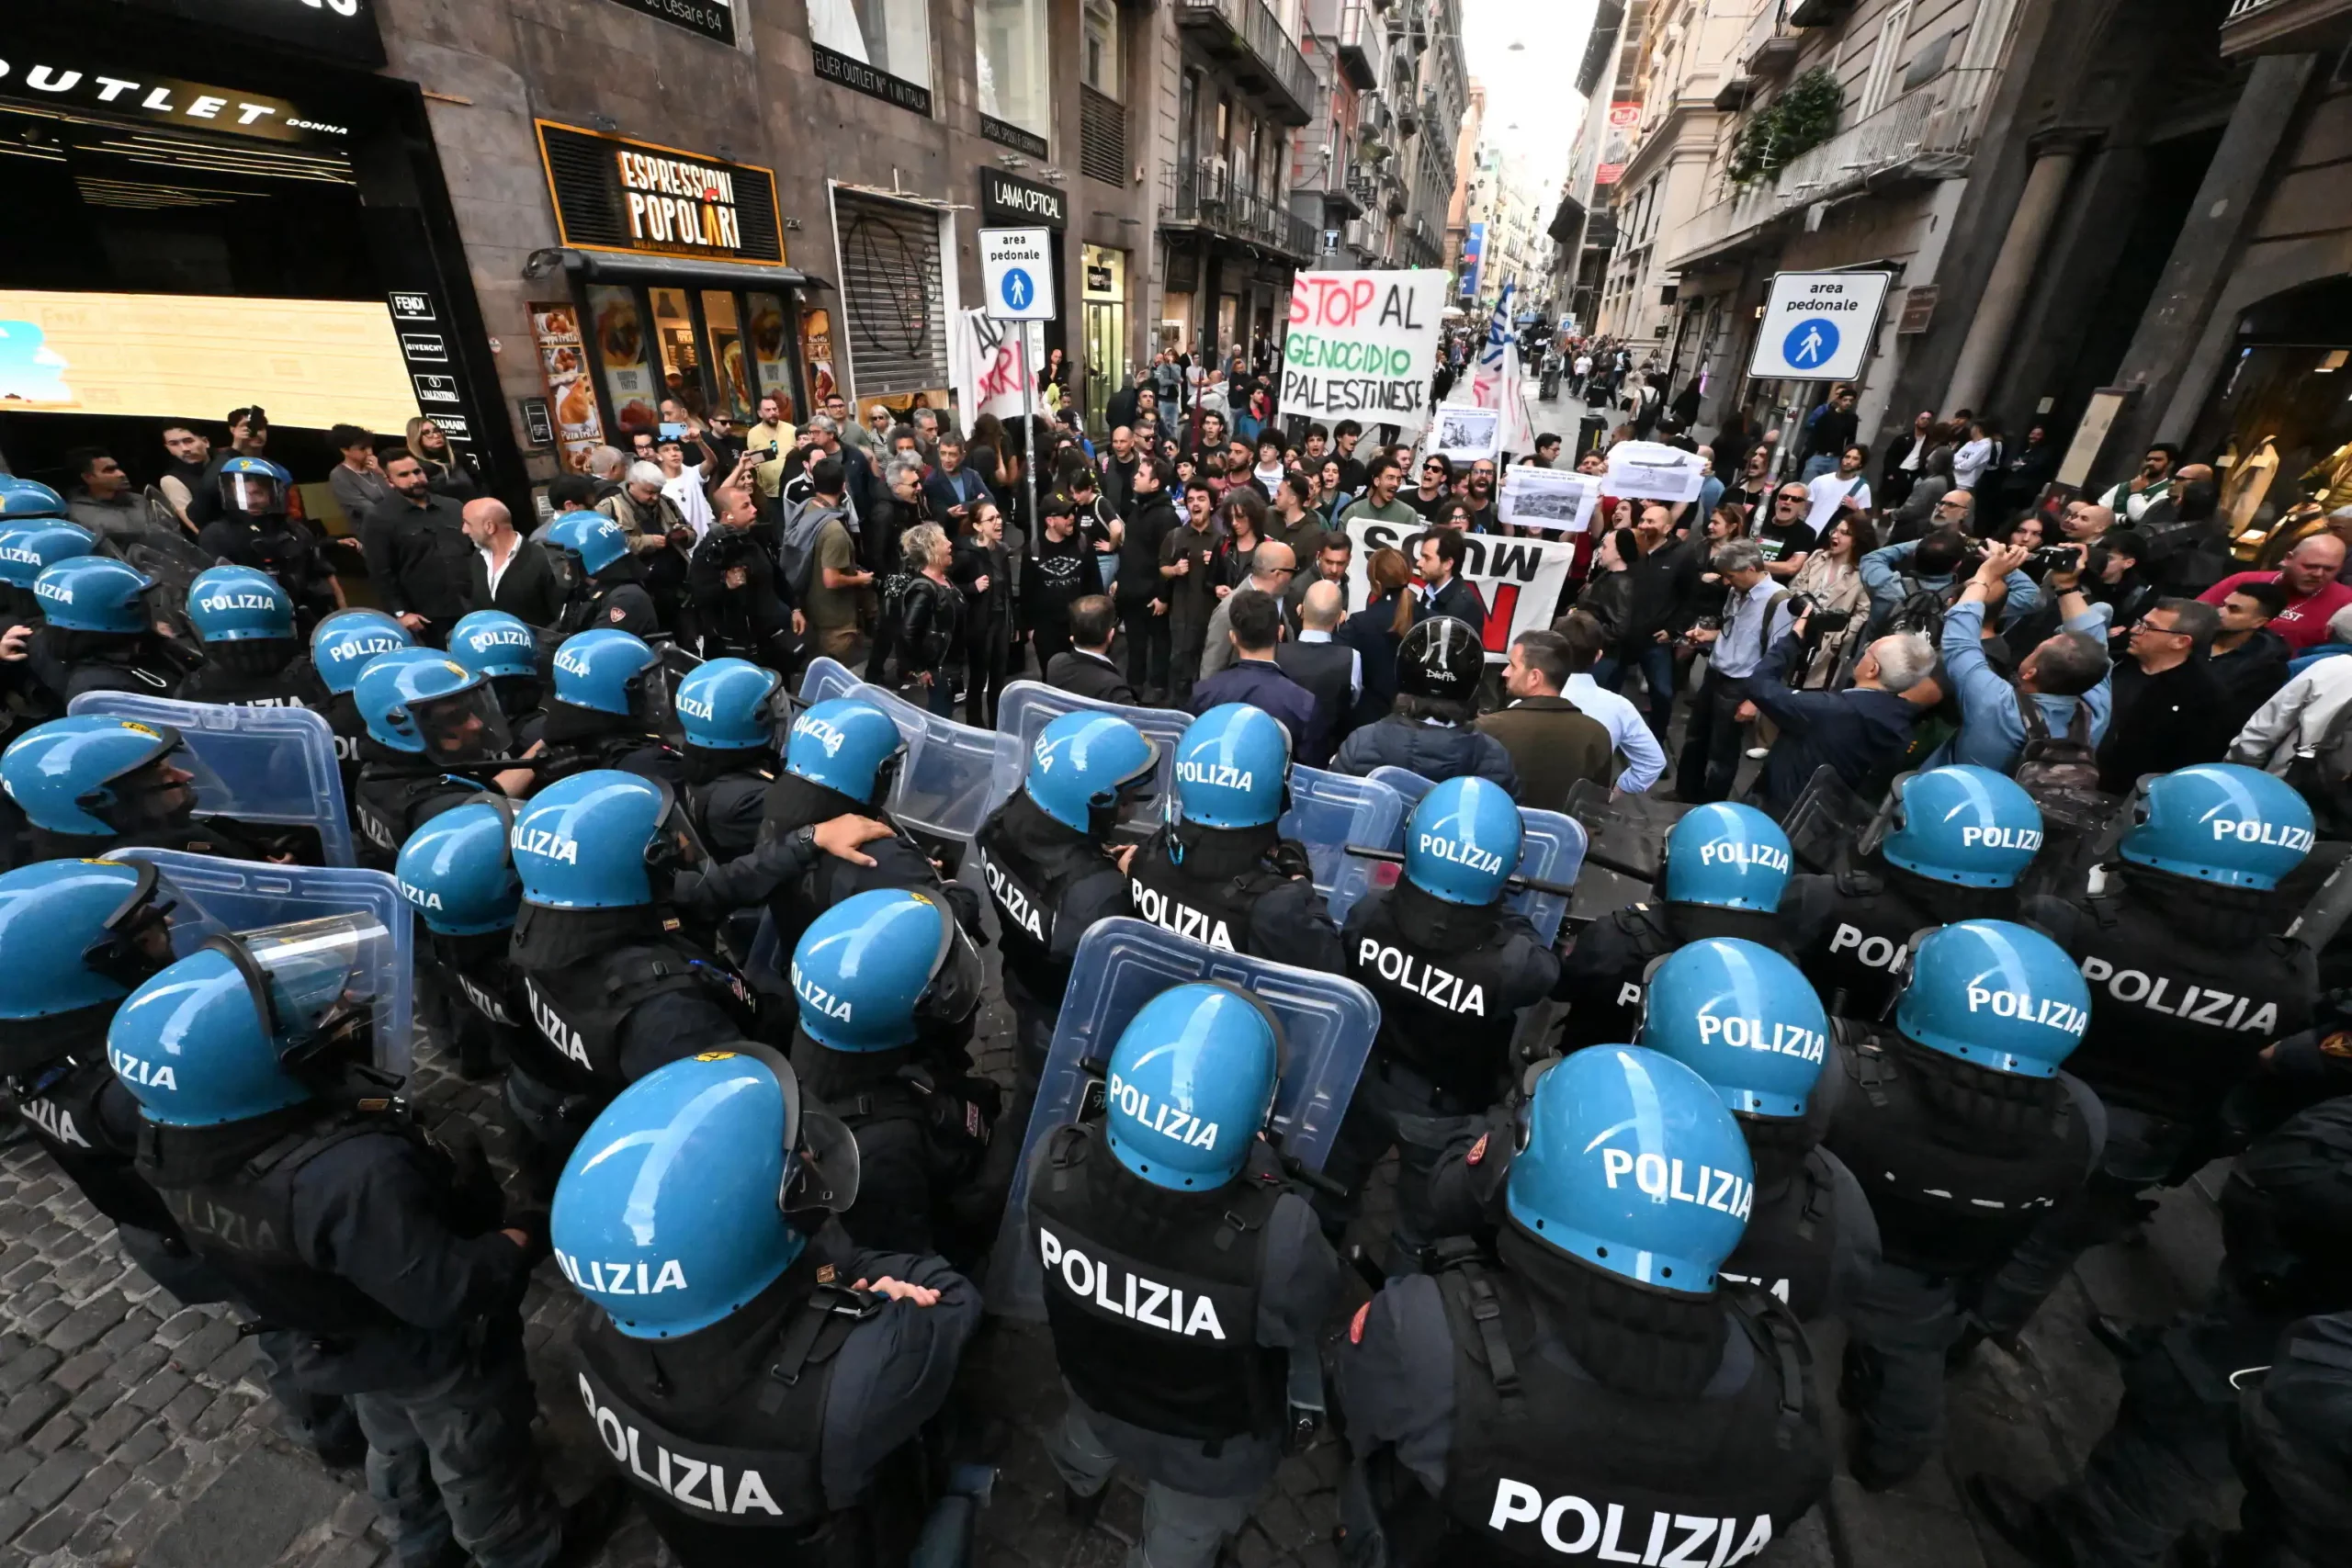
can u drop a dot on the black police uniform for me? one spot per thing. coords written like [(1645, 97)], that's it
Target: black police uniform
[(1523, 1408), (797, 894), (1049, 883), (474, 1006), (274, 673), (343, 717), (788, 1431), (1450, 980), (69, 663), (197, 836), (623, 602), (581, 740), (1850, 932), (2293, 1450), (284, 549), (399, 793), (1959, 1162), (725, 796), (1240, 889), (1176, 1316), (1603, 976), (922, 1125)]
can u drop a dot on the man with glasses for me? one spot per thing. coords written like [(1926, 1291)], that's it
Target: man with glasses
[(1271, 567), (851, 432), (2170, 710), (1480, 494), (1436, 486), (1957, 510), (1784, 535)]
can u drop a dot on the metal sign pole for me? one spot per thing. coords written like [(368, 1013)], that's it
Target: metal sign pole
[(1030, 522)]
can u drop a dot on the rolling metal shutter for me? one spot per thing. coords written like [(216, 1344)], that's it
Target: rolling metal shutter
[(892, 300)]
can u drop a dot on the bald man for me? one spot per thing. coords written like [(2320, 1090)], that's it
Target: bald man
[(1271, 566), (508, 571), (2308, 574), (1331, 671)]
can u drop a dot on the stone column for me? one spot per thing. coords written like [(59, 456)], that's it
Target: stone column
[(2012, 274)]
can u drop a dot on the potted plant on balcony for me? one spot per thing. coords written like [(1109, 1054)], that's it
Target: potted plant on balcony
[(1791, 125)]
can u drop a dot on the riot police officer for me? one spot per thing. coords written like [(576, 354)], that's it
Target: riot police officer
[(1593, 1386), (727, 710), (27, 549), (612, 991), (432, 729), (252, 656), (1948, 845), (493, 643), (604, 581), (2189, 986), (455, 873), (888, 984), (1045, 856), (758, 1381), (90, 782), (100, 635), (2286, 1218), (342, 645), (610, 703), (1452, 967), (1961, 1129), (2297, 1511), (254, 530), (1185, 1281), (23, 499), (334, 1218), (1220, 872), (1726, 867)]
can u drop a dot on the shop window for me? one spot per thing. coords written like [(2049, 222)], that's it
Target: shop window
[(620, 339), (889, 35), (1101, 61), (1009, 54), (674, 333), (816, 356), (771, 348), (729, 357)]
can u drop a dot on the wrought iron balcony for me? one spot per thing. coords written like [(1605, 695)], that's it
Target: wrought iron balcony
[(1359, 37), (2285, 27), (1771, 45), (1264, 59), (1204, 196)]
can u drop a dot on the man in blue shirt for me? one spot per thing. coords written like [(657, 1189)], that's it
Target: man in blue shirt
[(1856, 731), (2065, 676), (1711, 751), (1255, 625), (1930, 565)]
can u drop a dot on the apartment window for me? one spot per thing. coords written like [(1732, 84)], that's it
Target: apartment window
[(1010, 55), (1101, 57), (893, 36), (1878, 86)]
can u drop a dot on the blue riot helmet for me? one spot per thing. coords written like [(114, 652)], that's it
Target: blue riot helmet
[(581, 544), (1743, 1018), (80, 936), (1192, 1081), (602, 840), (612, 671), (455, 871), (2219, 823), (876, 969), (493, 643), (1632, 1163), (678, 1206), (22, 499), (95, 594), (347, 642), (237, 603), (226, 1033), (1964, 825), (425, 704), (1728, 857), (1082, 766), (1461, 841), (93, 776), (729, 704), (255, 487), (1996, 994), (26, 550), (847, 745), (1232, 768)]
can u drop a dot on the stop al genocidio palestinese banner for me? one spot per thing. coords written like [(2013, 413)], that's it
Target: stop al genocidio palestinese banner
[(1362, 346), (1518, 581)]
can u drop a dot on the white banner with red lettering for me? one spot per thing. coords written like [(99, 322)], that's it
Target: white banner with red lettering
[(993, 367), (1519, 580), (1362, 346)]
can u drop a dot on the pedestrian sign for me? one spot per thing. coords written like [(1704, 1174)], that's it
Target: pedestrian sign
[(1818, 327), (1017, 265)]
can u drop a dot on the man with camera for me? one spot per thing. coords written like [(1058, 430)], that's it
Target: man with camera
[(1857, 730), (2064, 677), (730, 581)]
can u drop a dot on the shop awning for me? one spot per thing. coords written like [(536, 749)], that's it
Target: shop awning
[(600, 266)]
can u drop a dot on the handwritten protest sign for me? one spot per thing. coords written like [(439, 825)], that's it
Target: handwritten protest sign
[(1362, 346), (999, 369), (1517, 580)]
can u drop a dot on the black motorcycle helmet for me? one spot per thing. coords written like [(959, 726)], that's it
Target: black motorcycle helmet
[(1440, 657)]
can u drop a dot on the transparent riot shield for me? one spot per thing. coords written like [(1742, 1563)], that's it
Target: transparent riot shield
[(160, 550), (1327, 1023), (1028, 707), (300, 907), (942, 787), (1625, 847), (676, 665), (1329, 812), (1826, 823), (1405, 782), (270, 770), (1552, 848)]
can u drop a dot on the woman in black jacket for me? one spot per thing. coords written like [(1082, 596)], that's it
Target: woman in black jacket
[(982, 569), (1376, 630), (930, 635)]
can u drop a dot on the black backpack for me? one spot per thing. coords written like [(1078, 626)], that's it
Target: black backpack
[(2060, 772)]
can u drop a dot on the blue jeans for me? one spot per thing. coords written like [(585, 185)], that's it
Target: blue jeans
[(1656, 660), (1820, 463)]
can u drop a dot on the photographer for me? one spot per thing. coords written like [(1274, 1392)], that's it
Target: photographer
[(1900, 576), (730, 583), (2065, 677), (1856, 731)]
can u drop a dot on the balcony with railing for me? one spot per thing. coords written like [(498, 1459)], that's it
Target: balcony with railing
[(1358, 40), (1927, 134), (2285, 27), (1264, 59), (1204, 196), (1771, 45)]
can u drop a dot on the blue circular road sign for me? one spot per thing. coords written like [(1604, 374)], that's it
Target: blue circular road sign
[(1018, 289), (1813, 342)]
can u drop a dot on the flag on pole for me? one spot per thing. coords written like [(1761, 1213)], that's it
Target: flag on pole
[(1499, 382)]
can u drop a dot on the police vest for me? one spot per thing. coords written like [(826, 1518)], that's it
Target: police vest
[(481, 980), (1158, 1328), (647, 756), (388, 805), (295, 687), (1789, 1250), (1954, 1194), (572, 1042), (59, 1104), (757, 1461), (1031, 862), (1449, 1014), (2176, 1022), (1215, 912), (1549, 1463), (1603, 975)]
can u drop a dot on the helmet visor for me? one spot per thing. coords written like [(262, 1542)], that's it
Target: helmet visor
[(564, 565), (139, 937), (957, 976), (822, 1164), (677, 844), (648, 699), (307, 975), (255, 495), (463, 726)]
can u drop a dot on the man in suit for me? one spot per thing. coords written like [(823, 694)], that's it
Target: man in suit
[(1552, 742), (1088, 668), (954, 489), (1331, 559), (1438, 559), (1331, 671), (1254, 626), (508, 571)]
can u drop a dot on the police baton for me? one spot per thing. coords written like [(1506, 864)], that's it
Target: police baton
[(1534, 884)]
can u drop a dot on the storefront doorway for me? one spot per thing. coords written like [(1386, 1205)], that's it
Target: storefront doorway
[(2281, 419), (1106, 327)]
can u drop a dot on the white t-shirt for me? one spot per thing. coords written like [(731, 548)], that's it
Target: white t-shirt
[(1968, 464), (693, 505), (1829, 491)]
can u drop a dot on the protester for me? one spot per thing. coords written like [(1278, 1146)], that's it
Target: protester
[(1844, 490), (1379, 501), (2313, 596), (446, 468), (419, 558), (731, 581), (1662, 574), (1086, 668), (2249, 659), (1058, 572), (1859, 730), (1637, 748), (1148, 516), (1554, 744), (357, 480), (818, 535), (2169, 710), (930, 638), (1192, 588), (2064, 678), (102, 499), (1711, 749)]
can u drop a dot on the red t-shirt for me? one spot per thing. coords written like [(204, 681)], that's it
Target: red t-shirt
[(2303, 623)]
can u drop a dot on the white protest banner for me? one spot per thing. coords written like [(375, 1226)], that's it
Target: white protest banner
[(1518, 581), (1362, 346), (995, 367), (1647, 471), (1559, 501)]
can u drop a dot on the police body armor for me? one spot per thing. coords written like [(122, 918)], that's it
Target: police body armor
[(144, 665), (1955, 1180), (572, 1044), (1446, 978), (478, 977), (1856, 928), (2180, 1012), (1543, 1449), (1030, 863), (1152, 1295), (393, 801), (59, 1104), (719, 803), (296, 685), (1789, 1250), (630, 751), (1211, 897), (898, 861), (1604, 976), (343, 717)]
